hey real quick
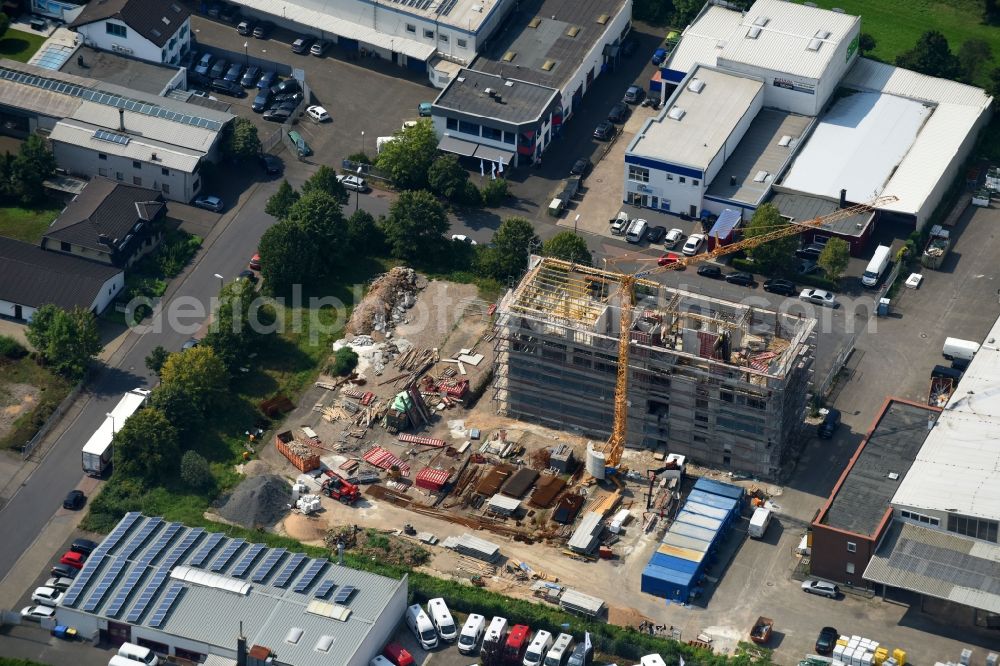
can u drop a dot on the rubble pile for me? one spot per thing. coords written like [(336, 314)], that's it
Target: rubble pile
[(374, 356), (259, 501), (386, 302)]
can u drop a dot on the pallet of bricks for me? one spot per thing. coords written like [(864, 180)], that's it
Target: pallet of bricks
[(300, 454)]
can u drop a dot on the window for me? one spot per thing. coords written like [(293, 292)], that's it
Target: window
[(492, 133), (165, 171), (670, 176), (701, 439), (638, 174), (165, 188), (727, 396), (119, 175), (920, 518), (452, 123), (116, 30), (695, 182), (973, 527), (65, 247), (102, 172), (173, 43), (701, 404), (465, 127), (136, 164), (136, 180), (682, 179), (852, 547), (429, 34), (850, 567), (444, 38), (508, 137), (184, 31), (102, 156), (756, 403), (462, 43), (411, 28)]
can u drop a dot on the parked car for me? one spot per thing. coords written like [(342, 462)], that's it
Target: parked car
[(230, 88), (659, 55), (605, 130), (828, 427), (693, 244), (742, 278), (424, 109), (218, 69), (294, 97), (254, 264), (826, 640), (618, 113), (819, 297), (619, 224), (462, 238), (83, 546), (656, 234), (302, 44), (271, 164), (248, 275), (710, 271), (261, 101), (277, 115), (779, 286), (668, 258), (59, 582), (209, 202), (581, 167), (320, 47), (318, 113), (263, 30), (250, 77), (635, 95), (352, 182), (245, 27), (234, 73), (204, 64), (47, 596), (808, 267), (673, 237), (397, 655), (75, 499), (63, 571), (38, 613), (286, 86), (71, 559), (283, 106), (267, 79), (821, 587), (190, 343)]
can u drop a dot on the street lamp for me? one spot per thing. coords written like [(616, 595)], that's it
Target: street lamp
[(246, 55), (357, 199), (222, 281), (575, 221), (362, 142)]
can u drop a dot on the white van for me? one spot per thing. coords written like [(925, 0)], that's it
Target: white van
[(121, 661), (539, 647), (496, 633), (442, 619), (759, 521), (134, 652), (876, 266), (421, 626), (379, 660), (560, 651), (636, 230), (960, 349), (472, 633)]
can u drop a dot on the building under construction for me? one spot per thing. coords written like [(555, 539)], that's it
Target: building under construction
[(720, 382)]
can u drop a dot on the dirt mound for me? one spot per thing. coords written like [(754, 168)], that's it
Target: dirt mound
[(307, 529), (386, 302), (379, 546), (260, 501)]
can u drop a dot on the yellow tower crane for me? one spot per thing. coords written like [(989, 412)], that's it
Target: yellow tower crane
[(615, 445)]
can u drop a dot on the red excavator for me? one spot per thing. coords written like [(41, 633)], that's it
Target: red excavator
[(339, 488)]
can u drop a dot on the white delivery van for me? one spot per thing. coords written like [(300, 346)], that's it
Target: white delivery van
[(636, 230), (538, 648), (560, 651), (876, 266), (381, 141), (472, 633), (121, 661), (652, 660), (422, 627), (759, 521), (960, 349), (496, 633), (442, 619), (379, 660), (138, 653)]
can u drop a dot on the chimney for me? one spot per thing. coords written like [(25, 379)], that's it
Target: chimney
[(121, 119), (843, 198), (241, 648)]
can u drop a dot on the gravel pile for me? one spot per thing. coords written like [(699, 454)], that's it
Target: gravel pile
[(260, 501)]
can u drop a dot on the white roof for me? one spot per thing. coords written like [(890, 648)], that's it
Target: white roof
[(709, 118), (958, 467), (857, 145), (149, 127), (880, 77), (505, 503), (125, 408), (702, 41), (79, 133), (785, 31)]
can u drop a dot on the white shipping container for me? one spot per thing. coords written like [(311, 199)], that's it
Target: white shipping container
[(838, 652)]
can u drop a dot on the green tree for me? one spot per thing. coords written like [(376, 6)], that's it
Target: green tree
[(33, 164), (240, 141), (344, 361), (200, 374), (567, 246), (173, 401), (931, 56), (415, 225), (363, 234), (325, 180), (991, 12), (776, 256), (68, 340), (4, 24), (408, 159), (495, 192), (231, 336), (279, 203), (507, 255), (866, 43), (156, 358), (146, 446), (685, 11), (994, 86), (973, 57), (318, 213), (281, 249), (195, 470), (11, 348), (447, 178), (834, 258)]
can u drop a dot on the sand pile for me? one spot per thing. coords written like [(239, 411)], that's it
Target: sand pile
[(259, 501), (386, 302)]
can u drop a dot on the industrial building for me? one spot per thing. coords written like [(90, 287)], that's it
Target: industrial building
[(192, 594), (722, 383)]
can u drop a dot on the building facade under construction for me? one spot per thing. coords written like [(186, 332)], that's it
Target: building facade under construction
[(721, 382)]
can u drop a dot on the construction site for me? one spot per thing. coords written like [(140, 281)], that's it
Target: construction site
[(722, 383)]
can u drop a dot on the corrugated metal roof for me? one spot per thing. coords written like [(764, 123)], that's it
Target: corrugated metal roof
[(149, 127), (781, 44), (585, 536), (78, 133), (700, 43), (881, 77), (580, 600)]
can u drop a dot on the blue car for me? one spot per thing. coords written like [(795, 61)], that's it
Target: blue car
[(266, 80), (659, 55)]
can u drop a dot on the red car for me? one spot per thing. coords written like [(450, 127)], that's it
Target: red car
[(398, 655), (73, 559), (255, 262), (668, 258)]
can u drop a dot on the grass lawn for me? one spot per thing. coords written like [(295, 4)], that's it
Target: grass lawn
[(53, 389), (20, 46), (897, 24), (28, 224)]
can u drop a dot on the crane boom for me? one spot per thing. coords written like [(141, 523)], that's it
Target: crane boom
[(615, 445)]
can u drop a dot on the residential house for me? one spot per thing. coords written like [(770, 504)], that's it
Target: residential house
[(154, 30)]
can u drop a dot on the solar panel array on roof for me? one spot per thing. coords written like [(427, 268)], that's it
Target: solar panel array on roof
[(244, 564), (148, 594), (141, 536), (117, 534), (310, 575), (294, 562), (154, 551), (111, 137), (107, 581), (125, 591), (160, 615), (82, 578), (265, 568), (227, 554), (206, 551), (343, 594), (324, 588), (181, 549)]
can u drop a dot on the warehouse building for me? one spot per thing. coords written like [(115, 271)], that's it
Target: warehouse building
[(191, 594), (722, 383)]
